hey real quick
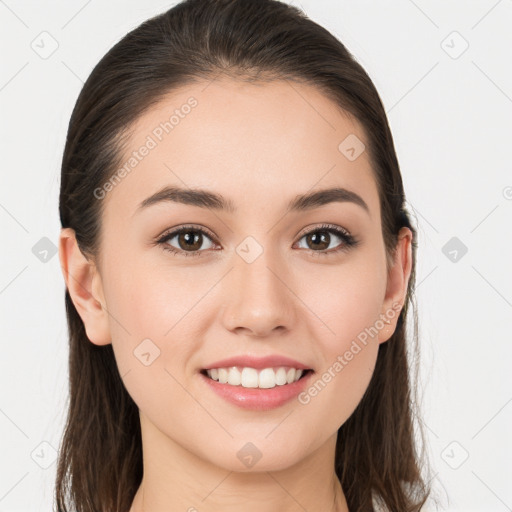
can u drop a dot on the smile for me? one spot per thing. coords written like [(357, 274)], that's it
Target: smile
[(248, 377)]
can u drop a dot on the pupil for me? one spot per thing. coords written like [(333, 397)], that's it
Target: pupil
[(189, 238), (320, 238)]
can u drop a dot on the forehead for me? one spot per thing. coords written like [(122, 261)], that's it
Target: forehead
[(251, 142)]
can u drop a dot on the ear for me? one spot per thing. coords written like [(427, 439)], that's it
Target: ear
[(83, 282), (398, 280)]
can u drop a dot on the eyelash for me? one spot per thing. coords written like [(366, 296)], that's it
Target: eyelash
[(349, 241)]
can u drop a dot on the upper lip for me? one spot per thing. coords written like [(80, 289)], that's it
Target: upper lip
[(257, 362)]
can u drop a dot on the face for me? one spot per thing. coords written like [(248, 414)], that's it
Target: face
[(256, 278)]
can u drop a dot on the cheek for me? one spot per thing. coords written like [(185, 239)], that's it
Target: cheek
[(338, 387), (152, 347), (352, 374), (151, 330), (153, 300), (348, 302)]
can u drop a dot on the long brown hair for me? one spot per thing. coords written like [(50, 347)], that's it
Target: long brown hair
[(100, 459)]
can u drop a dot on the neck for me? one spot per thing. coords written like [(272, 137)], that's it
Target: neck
[(176, 479)]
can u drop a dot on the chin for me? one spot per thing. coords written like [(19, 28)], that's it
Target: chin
[(256, 456)]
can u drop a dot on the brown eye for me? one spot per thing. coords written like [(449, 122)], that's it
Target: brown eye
[(320, 239), (189, 241)]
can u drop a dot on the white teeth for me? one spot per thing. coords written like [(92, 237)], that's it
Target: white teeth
[(223, 375), (250, 378), (267, 378), (234, 376), (281, 377)]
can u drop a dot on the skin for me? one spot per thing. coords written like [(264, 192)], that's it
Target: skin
[(259, 145)]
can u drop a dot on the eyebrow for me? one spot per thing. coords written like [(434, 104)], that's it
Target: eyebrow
[(212, 200)]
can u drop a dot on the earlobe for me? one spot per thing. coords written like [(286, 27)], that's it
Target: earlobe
[(398, 281), (84, 285)]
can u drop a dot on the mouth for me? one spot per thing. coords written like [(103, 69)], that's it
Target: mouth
[(265, 378)]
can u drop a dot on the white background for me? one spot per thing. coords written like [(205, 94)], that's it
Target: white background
[(450, 116)]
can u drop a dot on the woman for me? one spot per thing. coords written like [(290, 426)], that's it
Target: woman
[(239, 264)]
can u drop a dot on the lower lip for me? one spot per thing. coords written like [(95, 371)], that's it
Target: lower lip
[(258, 399)]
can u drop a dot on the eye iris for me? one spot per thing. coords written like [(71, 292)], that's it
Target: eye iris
[(319, 237), (188, 237)]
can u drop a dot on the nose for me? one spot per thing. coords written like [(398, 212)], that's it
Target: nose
[(260, 300)]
